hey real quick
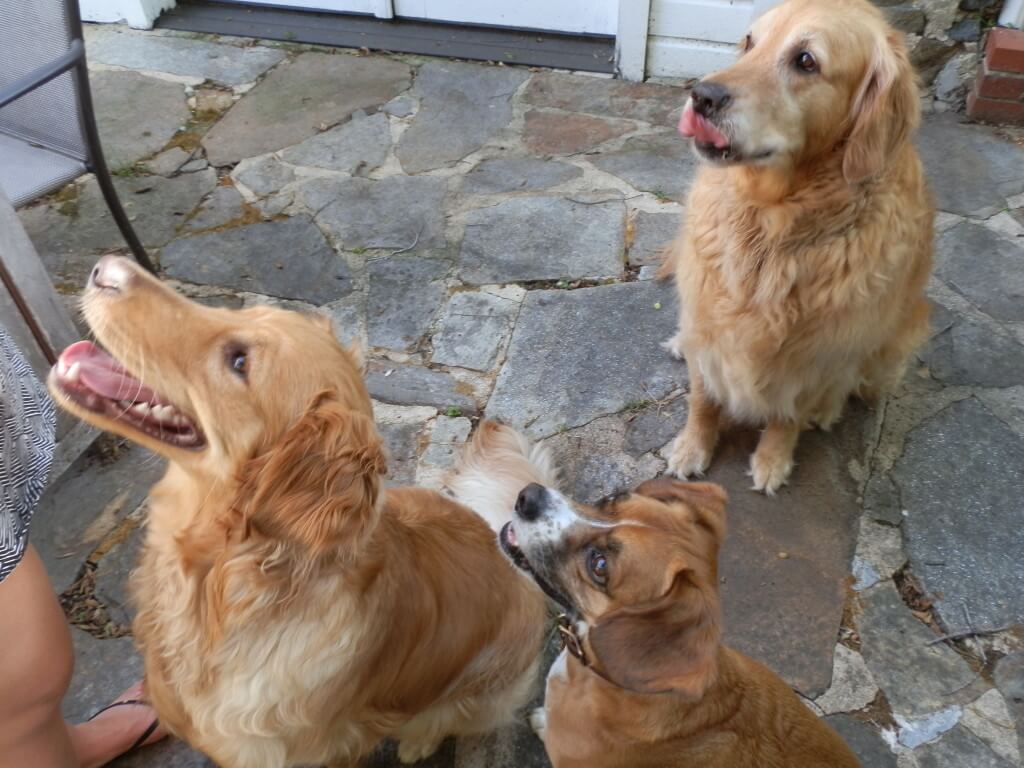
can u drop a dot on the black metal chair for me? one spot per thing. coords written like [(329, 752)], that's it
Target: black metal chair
[(48, 133)]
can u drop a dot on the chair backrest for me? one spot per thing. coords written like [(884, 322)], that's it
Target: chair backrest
[(32, 34)]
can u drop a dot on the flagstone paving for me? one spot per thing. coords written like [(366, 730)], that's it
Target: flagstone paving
[(488, 235)]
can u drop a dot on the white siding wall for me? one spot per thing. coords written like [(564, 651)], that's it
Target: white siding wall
[(690, 38)]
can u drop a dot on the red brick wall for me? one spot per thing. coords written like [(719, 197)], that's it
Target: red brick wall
[(998, 92)]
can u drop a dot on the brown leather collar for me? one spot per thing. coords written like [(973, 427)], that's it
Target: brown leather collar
[(571, 640)]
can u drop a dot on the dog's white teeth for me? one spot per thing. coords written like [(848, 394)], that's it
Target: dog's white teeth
[(73, 372), (126, 404), (141, 408), (179, 420), (62, 367)]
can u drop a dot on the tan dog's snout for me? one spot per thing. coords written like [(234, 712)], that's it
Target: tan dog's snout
[(710, 98), (112, 273)]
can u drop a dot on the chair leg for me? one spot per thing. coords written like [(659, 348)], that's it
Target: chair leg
[(114, 204), (96, 162)]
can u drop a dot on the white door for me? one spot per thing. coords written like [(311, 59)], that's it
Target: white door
[(594, 17), (690, 38)]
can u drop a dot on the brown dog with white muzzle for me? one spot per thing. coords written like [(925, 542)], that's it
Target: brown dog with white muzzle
[(644, 681)]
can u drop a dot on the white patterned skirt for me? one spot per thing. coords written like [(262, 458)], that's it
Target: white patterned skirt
[(27, 425)]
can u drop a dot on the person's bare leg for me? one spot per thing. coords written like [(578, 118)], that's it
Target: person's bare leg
[(692, 449), (35, 671)]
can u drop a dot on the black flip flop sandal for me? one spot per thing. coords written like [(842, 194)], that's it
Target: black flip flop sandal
[(134, 703)]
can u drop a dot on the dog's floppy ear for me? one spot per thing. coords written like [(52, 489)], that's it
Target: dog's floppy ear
[(707, 500), (318, 485), (670, 645), (885, 111)]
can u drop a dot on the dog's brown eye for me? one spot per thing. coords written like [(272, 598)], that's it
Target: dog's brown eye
[(806, 62), (597, 564)]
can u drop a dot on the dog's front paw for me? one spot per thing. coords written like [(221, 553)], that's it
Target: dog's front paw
[(410, 752), (674, 347), (688, 457), (770, 472), (539, 721)]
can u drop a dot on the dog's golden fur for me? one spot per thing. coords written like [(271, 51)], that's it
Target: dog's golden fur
[(292, 611), (801, 273), (660, 690)]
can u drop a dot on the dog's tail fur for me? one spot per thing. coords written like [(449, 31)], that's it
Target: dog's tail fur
[(495, 466)]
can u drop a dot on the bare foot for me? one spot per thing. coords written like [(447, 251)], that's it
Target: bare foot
[(113, 731)]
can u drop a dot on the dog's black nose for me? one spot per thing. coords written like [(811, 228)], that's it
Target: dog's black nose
[(709, 97), (530, 503)]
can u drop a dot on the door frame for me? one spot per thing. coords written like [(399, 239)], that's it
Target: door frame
[(631, 39)]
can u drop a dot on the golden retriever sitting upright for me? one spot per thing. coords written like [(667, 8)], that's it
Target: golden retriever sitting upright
[(644, 681), (807, 238), (291, 610)]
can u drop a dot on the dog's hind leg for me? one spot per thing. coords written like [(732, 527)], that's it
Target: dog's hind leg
[(692, 450)]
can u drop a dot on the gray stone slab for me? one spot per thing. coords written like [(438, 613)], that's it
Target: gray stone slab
[(288, 259), (786, 610), (473, 329), (168, 162), (971, 171), (558, 133), (653, 232), (400, 106), (86, 503), (595, 459), (263, 175), (225, 64), (103, 669), (514, 745), (961, 486), (556, 376), (445, 445), (136, 115), (1009, 677), (864, 740), (973, 354), (517, 174), (70, 233), (405, 294), (398, 212), (169, 753), (610, 98), (356, 147), (112, 577), (404, 429), (542, 238), (224, 206), (462, 106), (662, 164), (918, 679), (298, 98), (985, 267), (402, 384), (958, 748)]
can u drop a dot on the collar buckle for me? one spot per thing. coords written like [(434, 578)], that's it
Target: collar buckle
[(570, 640)]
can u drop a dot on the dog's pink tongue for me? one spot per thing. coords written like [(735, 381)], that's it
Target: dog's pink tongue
[(701, 129), (103, 375)]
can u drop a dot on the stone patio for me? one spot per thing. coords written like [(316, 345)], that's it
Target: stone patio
[(489, 235)]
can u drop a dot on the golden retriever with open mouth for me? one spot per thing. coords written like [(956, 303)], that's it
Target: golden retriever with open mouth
[(807, 239), (291, 610), (644, 680)]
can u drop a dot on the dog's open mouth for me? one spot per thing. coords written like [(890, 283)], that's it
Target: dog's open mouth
[(95, 381), (510, 546), (711, 142)]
